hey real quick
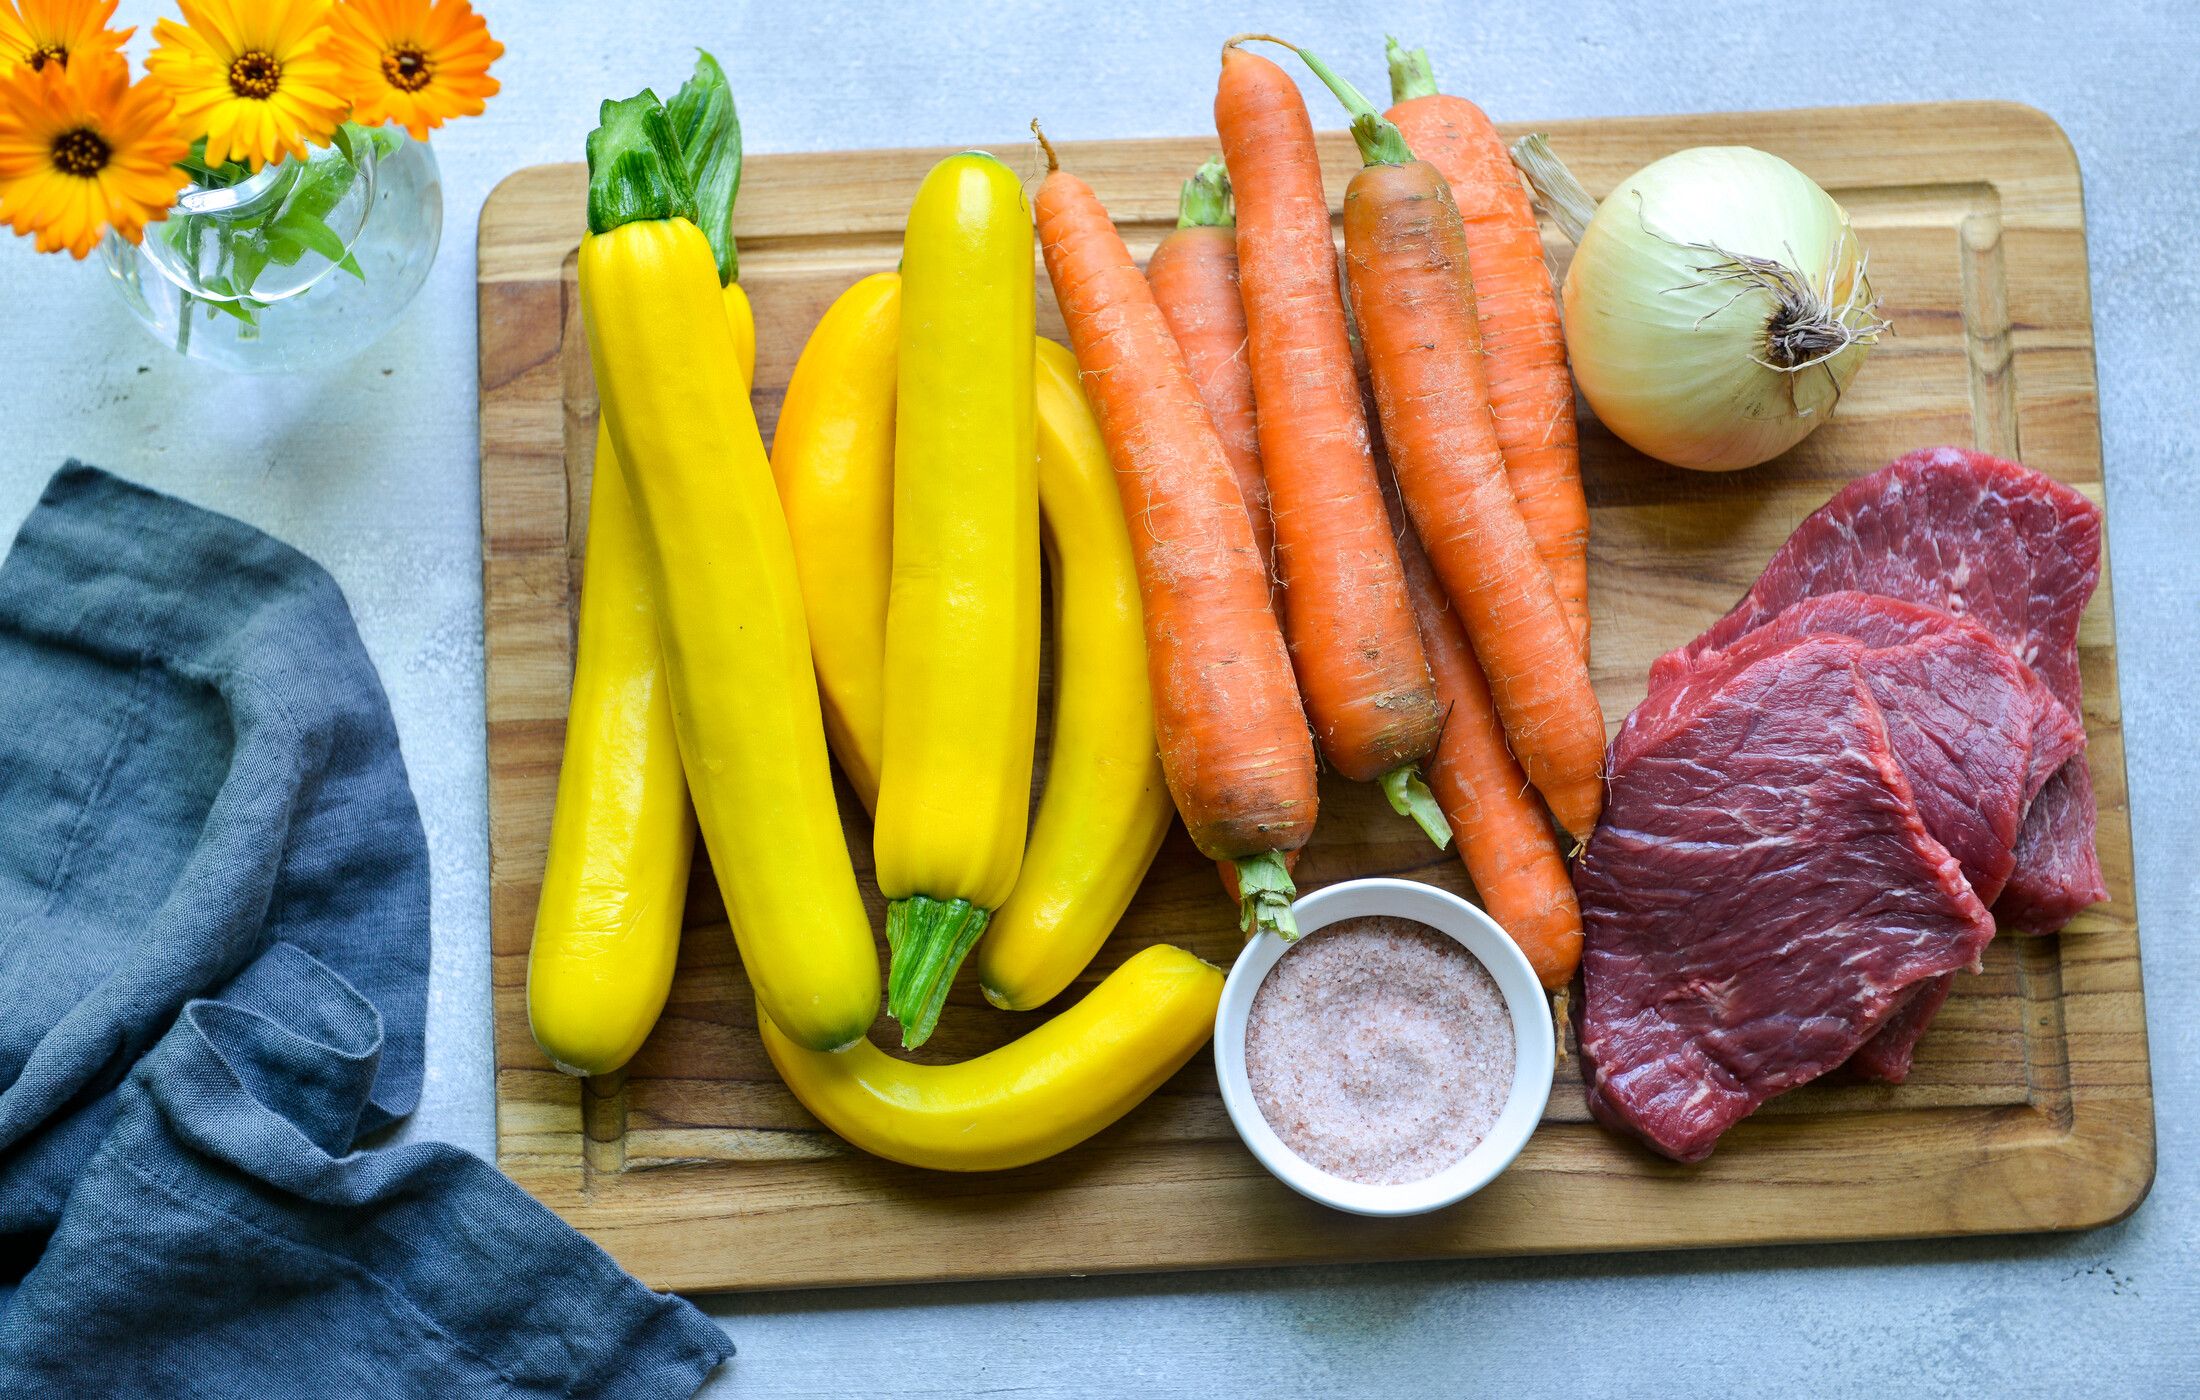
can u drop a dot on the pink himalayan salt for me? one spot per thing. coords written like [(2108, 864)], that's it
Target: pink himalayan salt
[(1380, 1050)]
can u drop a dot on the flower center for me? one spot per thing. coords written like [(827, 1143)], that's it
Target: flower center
[(46, 53), (407, 69), (255, 74), (80, 152)]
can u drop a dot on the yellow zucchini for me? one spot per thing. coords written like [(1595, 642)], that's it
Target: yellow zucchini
[(1106, 805), (962, 614), (614, 883), (1034, 1097), (833, 459), (1105, 809), (736, 647)]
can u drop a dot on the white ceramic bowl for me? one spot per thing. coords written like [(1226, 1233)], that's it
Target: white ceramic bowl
[(1532, 1038)]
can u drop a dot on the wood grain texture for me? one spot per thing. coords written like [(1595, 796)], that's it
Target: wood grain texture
[(2030, 1107)]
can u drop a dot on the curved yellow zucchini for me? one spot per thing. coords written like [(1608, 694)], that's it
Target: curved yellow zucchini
[(833, 459), (736, 645), (962, 615), (1034, 1097), (614, 883), (1106, 805)]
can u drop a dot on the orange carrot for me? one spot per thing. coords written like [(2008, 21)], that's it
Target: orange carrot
[(1359, 660), (1523, 349), (1194, 274), (1414, 301), (1234, 745), (1505, 836)]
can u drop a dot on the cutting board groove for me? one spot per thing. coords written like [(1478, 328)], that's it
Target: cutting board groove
[(2030, 1107)]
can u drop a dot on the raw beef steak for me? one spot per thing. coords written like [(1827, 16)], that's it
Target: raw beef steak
[(1987, 539), (2057, 873), (1963, 715), (1958, 713), (1886, 1056), (1759, 898)]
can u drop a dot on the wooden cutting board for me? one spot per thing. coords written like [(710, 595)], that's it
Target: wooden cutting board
[(2029, 1109)]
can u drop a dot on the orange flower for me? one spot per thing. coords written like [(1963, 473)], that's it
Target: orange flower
[(415, 62), (35, 33), (82, 151), (254, 75)]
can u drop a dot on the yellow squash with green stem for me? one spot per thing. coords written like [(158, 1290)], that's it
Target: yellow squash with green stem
[(1034, 1097), (736, 647), (1106, 807), (962, 614), (614, 882)]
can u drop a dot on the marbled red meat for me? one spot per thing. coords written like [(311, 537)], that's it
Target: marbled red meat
[(1958, 713), (1760, 897), (1990, 540), (1886, 1056), (1974, 728)]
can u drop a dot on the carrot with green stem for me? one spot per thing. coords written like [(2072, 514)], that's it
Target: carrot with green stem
[(1523, 346), (1345, 613), (1194, 272), (1413, 298), (1194, 275), (1234, 744)]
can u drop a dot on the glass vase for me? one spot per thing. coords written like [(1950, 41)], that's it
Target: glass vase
[(301, 264)]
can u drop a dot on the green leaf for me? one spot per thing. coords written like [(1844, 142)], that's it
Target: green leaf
[(709, 132), (319, 189), (283, 250), (311, 231), (206, 173), (247, 260), (350, 264), (246, 311)]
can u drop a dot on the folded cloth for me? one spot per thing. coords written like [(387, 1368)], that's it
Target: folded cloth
[(213, 959)]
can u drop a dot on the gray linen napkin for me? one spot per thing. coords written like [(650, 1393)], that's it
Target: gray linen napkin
[(213, 966)]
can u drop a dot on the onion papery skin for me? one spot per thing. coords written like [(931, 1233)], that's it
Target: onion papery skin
[(1669, 366)]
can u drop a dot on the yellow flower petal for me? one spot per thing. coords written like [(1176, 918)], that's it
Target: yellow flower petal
[(196, 61)]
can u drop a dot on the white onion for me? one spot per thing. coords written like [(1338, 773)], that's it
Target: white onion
[(1717, 305)]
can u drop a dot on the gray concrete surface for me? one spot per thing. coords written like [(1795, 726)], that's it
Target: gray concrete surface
[(371, 468)]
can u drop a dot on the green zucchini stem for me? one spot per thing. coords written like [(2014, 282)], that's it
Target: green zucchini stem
[(708, 128), (927, 939), (635, 172)]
